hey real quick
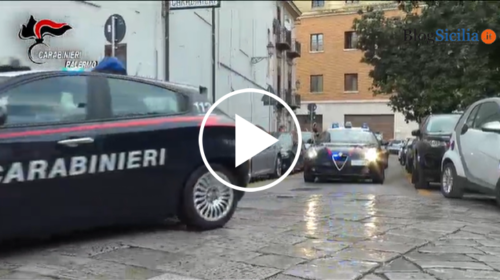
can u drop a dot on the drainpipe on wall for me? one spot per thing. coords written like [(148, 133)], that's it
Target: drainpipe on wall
[(167, 39)]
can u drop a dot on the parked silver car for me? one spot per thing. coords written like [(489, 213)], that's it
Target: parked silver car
[(267, 163)]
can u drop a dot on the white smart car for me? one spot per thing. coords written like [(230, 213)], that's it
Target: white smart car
[(472, 162)]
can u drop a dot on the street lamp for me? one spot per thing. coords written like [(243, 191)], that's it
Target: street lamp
[(297, 84), (270, 52)]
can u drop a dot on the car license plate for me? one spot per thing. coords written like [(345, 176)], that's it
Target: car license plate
[(358, 163)]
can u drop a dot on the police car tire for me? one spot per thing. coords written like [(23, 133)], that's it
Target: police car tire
[(279, 161), (379, 178), (188, 214), (457, 191), (308, 178), (418, 178)]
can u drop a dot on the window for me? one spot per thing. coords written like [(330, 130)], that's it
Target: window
[(350, 40), (56, 99), (136, 98), (442, 123), (351, 82), (349, 2), (316, 42), (317, 4), (316, 83), (472, 116), (488, 112)]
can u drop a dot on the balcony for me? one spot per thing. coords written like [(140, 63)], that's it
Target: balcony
[(284, 39), (292, 99), (295, 51)]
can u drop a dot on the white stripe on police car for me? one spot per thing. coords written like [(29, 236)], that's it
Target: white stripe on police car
[(80, 165)]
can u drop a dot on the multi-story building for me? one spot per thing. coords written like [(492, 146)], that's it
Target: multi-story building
[(283, 65), (333, 77), (255, 49)]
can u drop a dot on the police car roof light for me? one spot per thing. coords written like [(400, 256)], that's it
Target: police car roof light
[(348, 125), (365, 125), (111, 65), (335, 125)]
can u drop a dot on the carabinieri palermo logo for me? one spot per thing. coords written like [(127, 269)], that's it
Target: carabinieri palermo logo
[(37, 30)]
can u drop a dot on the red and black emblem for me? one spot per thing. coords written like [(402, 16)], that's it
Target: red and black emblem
[(36, 30)]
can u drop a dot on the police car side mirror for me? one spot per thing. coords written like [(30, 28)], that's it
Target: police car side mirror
[(3, 116), (415, 132), (491, 127)]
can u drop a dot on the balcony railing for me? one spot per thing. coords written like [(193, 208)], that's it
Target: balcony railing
[(292, 99), (295, 51), (284, 39)]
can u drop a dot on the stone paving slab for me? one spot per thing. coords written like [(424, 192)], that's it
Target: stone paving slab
[(340, 232)]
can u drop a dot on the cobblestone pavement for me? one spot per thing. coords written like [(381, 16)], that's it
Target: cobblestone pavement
[(294, 231)]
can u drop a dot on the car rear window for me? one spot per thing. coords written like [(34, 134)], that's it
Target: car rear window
[(442, 123)]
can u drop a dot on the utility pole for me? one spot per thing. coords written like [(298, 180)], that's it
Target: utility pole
[(214, 64), (312, 113)]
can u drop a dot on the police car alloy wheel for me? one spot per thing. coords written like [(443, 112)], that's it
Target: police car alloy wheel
[(206, 203), (450, 186)]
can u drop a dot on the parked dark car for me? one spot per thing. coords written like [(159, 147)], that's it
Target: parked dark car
[(402, 152), (409, 153), (432, 141), (107, 150)]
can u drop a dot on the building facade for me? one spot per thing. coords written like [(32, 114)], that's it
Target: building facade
[(252, 42), (334, 78)]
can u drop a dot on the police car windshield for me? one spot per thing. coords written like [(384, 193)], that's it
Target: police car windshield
[(442, 123), (354, 136)]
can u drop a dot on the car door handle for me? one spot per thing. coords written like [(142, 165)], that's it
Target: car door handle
[(76, 141)]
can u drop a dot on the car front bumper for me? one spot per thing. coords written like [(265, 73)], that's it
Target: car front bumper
[(430, 160), (348, 171)]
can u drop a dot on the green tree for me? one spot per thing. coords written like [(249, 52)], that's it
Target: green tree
[(423, 76)]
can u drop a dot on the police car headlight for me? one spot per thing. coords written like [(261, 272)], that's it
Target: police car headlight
[(311, 153), (371, 154)]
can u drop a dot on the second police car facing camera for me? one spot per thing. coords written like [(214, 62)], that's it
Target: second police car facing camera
[(346, 152)]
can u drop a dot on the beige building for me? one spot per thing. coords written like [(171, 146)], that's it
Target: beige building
[(331, 72)]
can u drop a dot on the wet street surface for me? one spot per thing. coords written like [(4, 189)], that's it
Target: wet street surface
[(342, 231)]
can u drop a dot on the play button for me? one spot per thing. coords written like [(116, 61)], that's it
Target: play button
[(250, 140)]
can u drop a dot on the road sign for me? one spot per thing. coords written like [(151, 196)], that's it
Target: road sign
[(312, 107), (183, 5), (120, 29)]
